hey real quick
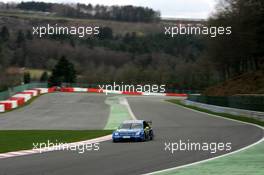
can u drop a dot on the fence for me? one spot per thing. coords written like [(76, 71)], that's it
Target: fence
[(255, 103), (12, 90)]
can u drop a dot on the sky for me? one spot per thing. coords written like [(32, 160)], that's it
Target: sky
[(168, 8)]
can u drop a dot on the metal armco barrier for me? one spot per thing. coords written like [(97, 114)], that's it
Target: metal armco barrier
[(247, 102)]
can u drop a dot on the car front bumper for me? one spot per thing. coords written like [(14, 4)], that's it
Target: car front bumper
[(124, 138)]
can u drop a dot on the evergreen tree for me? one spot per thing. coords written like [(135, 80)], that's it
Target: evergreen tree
[(63, 72), (29, 35), (20, 38), (44, 77), (4, 34), (27, 78), (105, 33)]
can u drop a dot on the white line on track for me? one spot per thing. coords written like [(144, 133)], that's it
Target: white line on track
[(210, 159), (125, 103), (40, 151)]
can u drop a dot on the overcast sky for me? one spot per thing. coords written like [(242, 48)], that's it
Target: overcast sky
[(168, 8)]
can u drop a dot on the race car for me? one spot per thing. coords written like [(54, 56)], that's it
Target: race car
[(135, 130)]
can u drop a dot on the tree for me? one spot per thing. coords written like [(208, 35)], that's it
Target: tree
[(4, 34), (63, 72), (20, 38), (105, 33), (119, 13), (27, 78), (29, 35), (44, 77), (243, 50), (36, 6)]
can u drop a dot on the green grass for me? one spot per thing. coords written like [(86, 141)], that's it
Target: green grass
[(17, 14), (13, 140), (225, 115), (118, 113), (36, 73), (249, 161), (246, 162)]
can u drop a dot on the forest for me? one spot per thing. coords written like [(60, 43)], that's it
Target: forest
[(189, 62)]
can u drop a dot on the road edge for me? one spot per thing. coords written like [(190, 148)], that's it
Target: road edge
[(217, 157), (41, 151)]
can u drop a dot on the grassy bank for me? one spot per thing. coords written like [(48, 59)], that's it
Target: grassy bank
[(36, 73), (117, 26), (13, 140)]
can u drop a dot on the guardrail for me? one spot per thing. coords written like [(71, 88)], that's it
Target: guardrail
[(234, 111), (255, 103)]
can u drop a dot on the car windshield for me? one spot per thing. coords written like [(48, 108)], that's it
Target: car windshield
[(131, 126)]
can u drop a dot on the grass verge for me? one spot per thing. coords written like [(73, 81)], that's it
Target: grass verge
[(225, 115), (249, 161), (246, 162), (37, 73), (118, 113), (14, 140)]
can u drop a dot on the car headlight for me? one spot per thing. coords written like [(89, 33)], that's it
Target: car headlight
[(116, 133), (138, 133)]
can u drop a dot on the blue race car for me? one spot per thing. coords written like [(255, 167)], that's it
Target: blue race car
[(136, 130)]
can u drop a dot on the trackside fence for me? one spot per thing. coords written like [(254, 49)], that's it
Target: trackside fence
[(254, 103)]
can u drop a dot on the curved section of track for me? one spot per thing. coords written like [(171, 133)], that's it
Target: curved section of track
[(171, 124), (68, 111)]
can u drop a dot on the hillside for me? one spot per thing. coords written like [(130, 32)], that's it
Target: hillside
[(135, 48), (132, 52), (27, 19), (249, 83)]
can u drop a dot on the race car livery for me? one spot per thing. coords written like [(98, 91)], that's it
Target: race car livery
[(136, 130)]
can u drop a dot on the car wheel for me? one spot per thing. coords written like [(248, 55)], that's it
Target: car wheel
[(144, 138), (148, 137), (151, 136)]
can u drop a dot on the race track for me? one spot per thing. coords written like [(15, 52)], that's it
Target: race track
[(171, 124), (59, 111)]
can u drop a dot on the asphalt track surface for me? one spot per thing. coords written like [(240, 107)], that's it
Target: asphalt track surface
[(171, 124), (70, 111)]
